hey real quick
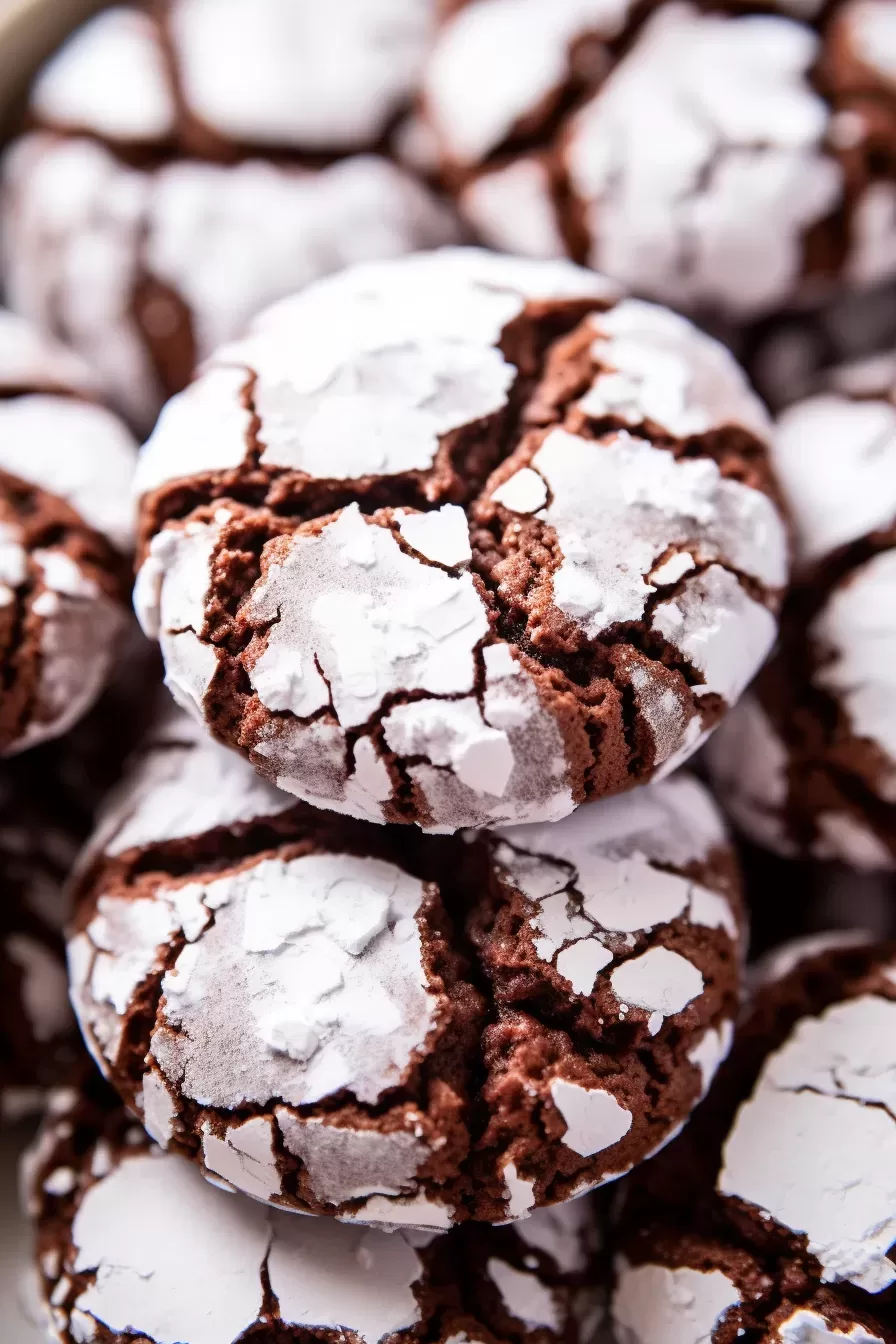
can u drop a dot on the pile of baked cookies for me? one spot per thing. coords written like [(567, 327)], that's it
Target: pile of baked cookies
[(483, 585)]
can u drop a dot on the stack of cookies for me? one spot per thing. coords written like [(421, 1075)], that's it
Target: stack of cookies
[(405, 918)]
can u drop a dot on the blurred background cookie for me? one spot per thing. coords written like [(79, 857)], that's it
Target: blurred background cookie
[(66, 466), (355, 1020), (188, 163), (807, 762)]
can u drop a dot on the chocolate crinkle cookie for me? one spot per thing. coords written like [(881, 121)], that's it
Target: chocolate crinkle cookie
[(181, 171), (66, 468), (364, 1022), (38, 846), (807, 762), (131, 1242), (648, 139), (462, 540), (772, 1219)]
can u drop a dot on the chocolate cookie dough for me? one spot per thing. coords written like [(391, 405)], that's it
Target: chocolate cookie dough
[(37, 1029), (66, 467), (731, 163), (359, 1021), (774, 1212), (462, 540), (181, 172), (132, 1242), (807, 762)]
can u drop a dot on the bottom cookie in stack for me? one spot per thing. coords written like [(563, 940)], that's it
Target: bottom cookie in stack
[(133, 1243), (773, 1218), (355, 1020)]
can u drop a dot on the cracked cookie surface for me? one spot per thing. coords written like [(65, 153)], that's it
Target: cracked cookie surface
[(807, 762), (131, 1241), (364, 1022), (772, 1218), (648, 139), (66, 467), (462, 540), (147, 217)]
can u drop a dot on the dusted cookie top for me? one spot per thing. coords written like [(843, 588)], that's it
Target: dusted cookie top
[(807, 763), (131, 1240), (649, 145), (358, 1021), (790, 1166), (342, 589), (66, 466)]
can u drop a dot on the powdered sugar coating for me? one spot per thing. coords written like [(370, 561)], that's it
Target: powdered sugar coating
[(646, 502), (595, 1120), (109, 78), (749, 763), (808, 1327), (374, 654), (355, 376), (815, 1146), (856, 635), (597, 881), (475, 97), (870, 30), (310, 969), (185, 785), (679, 140), (30, 359), (223, 240), (76, 451), (79, 629), (655, 1304), (273, 72), (230, 1266), (836, 460), (746, 130), (784, 774)]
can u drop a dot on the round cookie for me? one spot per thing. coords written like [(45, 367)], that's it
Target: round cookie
[(648, 140), (782, 1190), (344, 591), (66, 467), (359, 1021), (142, 221), (131, 1241), (37, 1035), (807, 762)]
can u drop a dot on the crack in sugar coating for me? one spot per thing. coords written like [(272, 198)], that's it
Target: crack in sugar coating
[(787, 116), (65, 476), (807, 762), (344, 591), (355, 1020), (806, 1092), (234, 1268), (197, 206)]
